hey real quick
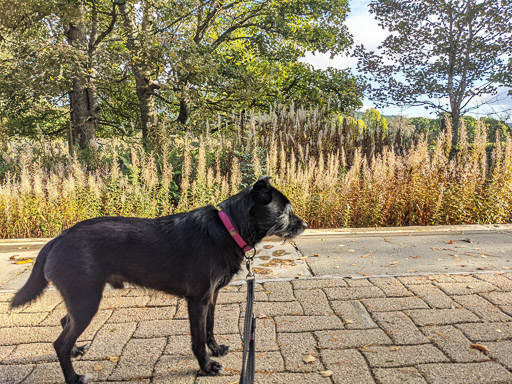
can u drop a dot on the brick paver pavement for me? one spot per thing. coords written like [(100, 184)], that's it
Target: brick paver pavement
[(411, 329)]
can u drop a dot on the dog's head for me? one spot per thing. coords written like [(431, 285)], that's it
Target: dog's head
[(260, 211), (273, 212)]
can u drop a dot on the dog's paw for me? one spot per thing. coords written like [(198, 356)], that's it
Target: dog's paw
[(82, 379), (212, 368), (79, 351), (220, 350)]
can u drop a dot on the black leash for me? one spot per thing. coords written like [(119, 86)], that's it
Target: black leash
[(247, 375)]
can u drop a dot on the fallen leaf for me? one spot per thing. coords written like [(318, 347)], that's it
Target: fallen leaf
[(280, 252), (450, 242), (268, 246), (394, 348), (480, 347), (442, 334), (315, 255), (308, 358), (97, 367), (275, 262), (351, 250), (264, 257), (114, 359), (327, 373), (23, 261), (233, 371), (303, 258), (415, 257), (262, 316), (262, 271)]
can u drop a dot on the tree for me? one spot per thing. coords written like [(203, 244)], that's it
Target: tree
[(119, 66), (52, 50), (81, 28), (142, 44), (220, 55), (438, 50)]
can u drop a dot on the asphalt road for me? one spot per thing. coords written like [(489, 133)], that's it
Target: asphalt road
[(342, 253)]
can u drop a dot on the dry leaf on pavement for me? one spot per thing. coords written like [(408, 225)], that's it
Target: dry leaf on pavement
[(308, 358), (327, 373), (480, 347)]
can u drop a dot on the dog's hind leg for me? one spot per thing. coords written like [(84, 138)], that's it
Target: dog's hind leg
[(82, 307), (77, 350), (217, 350), (197, 312)]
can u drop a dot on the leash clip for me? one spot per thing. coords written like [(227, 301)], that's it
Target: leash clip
[(249, 258)]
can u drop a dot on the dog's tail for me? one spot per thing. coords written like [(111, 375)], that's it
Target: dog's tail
[(36, 282)]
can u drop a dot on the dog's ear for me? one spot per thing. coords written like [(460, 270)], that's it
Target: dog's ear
[(261, 191), (266, 179)]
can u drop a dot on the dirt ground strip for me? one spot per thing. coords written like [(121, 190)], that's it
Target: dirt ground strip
[(411, 329)]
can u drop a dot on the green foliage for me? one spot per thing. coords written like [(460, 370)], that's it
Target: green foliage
[(213, 57), (374, 121)]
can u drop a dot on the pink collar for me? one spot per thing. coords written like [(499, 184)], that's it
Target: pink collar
[(233, 232)]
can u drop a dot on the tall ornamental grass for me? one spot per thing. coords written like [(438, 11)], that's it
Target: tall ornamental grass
[(336, 172)]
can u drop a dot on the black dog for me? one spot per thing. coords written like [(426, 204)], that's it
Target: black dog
[(188, 254)]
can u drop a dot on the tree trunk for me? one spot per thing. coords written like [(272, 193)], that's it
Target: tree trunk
[(84, 109), (455, 119), (144, 88), (147, 107), (184, 111), (84, 117)]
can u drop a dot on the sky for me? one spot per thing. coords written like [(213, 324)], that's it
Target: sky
[(366, 31)]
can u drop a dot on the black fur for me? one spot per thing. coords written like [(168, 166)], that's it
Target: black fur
[(188, 254)]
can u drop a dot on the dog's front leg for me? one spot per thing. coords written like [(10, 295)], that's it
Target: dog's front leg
[(197, 312), (217, 350)]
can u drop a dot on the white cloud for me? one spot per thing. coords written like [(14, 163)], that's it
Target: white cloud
[(323, 61), (364, 29)]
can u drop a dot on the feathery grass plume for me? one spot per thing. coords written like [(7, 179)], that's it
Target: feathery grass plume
[(236, 177), (256, 162), (149, 172), (185, 185), (200, 193), (317, 161)]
